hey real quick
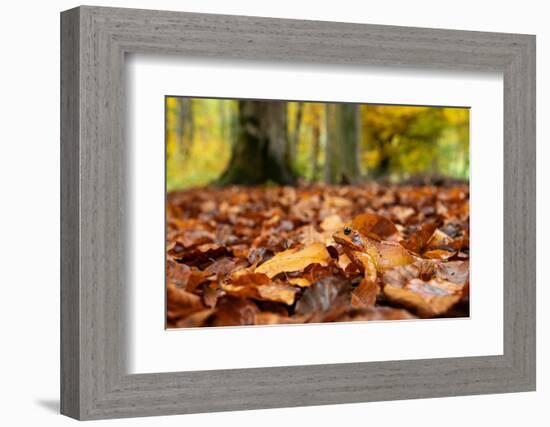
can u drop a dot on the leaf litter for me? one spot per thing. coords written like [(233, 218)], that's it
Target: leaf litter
[(281, 255)]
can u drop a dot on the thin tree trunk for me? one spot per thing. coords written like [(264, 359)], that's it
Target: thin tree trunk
[(315, 152), (186, 128), (341, 164), (294, 141)]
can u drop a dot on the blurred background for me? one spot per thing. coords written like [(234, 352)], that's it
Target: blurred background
[(249, 142)]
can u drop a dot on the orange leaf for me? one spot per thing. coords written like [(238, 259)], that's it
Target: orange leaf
[(302, 282), (418, 240), (428, 299), (374, 226), (438, 254), (365, 294), (277, 293)]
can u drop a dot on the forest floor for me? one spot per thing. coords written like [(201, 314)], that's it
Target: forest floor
[(280, 255)]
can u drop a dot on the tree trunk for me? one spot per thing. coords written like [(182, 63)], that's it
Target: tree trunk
[(342, 160), (315, 152), (186, 125), (260, 152), (294, 141)]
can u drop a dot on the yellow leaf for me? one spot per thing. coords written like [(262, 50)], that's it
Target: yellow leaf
[(299, 281), (295, 260), (277, 293)]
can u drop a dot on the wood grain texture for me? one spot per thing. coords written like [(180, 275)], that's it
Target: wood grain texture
[(95, 235), (70, 291)]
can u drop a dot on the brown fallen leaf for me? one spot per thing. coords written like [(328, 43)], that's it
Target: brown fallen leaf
[(245, 285), (324, 295), (365, 294), (258, 255), (402, 214), (400, 276), (438, 254), (188, 239), (440, 240), (202, 254), (427, 299), (185, 277), (259, 286), (269, 318), (295, 260), (194, 320), (454, 271), (315, 272), (232, 311), (419, 239), (388, 255), (216, 235), (374, 226), (224, 266), (278, 293), (180, 302), (210, 296), (374, 314)]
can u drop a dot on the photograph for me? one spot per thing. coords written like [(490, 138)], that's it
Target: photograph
[(295, 212), (272, 213)]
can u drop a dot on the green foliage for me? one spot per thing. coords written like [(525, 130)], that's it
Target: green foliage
[(396, 142), (197, 158)]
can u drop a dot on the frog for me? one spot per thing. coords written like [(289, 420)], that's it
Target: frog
[(366, 252)]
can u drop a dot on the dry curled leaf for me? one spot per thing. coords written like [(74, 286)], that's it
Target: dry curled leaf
[(418, 240), (374, 226)]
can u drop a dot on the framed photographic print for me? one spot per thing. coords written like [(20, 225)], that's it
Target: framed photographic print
[(263, 213)]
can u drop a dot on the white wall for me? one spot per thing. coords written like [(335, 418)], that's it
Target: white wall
[(29, 212)]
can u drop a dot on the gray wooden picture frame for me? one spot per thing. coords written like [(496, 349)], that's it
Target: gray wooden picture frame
[(94, 41)]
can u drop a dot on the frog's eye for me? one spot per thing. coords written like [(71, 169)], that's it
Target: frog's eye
[(347, 231)]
